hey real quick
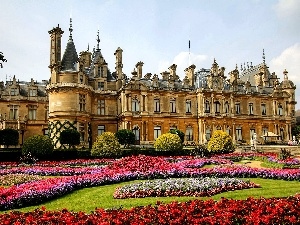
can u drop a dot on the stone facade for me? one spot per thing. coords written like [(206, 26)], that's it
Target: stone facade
[(83, 93)]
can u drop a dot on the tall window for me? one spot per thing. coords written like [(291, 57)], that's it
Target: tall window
[(252, 132), (136, 132), (226, 106), (208, 134), (14, 112), (13, 91), (32, 92), (237, 108), (101, 129), (217, 107), (251, 110), (135, 105), (81, 79), (32, 112), (263, 109), (188, 106), (265, 131), (207, 107), (238, 133), (100, 71), (101, 107), (189, 134), (280, 110), (157, 132), (156, 105), (82, 132), (173, 106), (101, 86), (81, 102)]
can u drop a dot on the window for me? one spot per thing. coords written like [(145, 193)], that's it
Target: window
[(81, 79), (227, 130), (237, 108), (173, 106), (173, 128), (81, 102), (32, 112), (263, 109), (13, 91), (46, 131), (99, 72), (135, 105), (14, 112), (188, 106), (82, 131), (217, 107), (157, 132), (226, 107), (208, 134), (101, 86), (251, 110), (280, 110), (101, 129), (101, 107), (136, 134), (238, 133), (207, 107), (252, 132), (32, 92), (156, 105), (189, 134), (265, 131)]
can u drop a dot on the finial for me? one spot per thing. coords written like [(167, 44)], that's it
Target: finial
[(70, 29), (285, 73), (236, 67), (88, 48), (98, 40), (263, 56)]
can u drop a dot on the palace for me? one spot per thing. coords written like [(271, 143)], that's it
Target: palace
[(83, 93)]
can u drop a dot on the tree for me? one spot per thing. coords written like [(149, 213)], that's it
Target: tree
[(168, 142), (39, 146), (125, 137), (220, 142), (179, 133), (9, 137), (70, 137), (106, 145), (2, 59)]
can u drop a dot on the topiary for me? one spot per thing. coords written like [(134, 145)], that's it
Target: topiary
[(39, 146), (220, 142), (179, 133), (125, 137), (70, 137), (106, 145), (168, 142)]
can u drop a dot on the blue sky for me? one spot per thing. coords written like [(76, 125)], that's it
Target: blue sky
[(155, 32)]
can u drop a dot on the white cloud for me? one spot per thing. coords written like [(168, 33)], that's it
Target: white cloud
[(289, 59), (183, 60), (287, 8)]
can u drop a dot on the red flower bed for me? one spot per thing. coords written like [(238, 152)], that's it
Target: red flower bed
[(223, 212)]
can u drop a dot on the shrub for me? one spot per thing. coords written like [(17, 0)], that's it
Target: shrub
[(168, 142), (39, 146), (220, 142), (9, 137), (179, 133), (200, 150), (125, 137), (70, 137), (106, 145)]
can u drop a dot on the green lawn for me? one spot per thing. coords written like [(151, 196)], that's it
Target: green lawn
[(102, 197)]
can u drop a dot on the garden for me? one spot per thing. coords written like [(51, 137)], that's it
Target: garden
[(227, 188)]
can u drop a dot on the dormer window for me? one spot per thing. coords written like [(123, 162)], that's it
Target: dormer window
[(81, 79), (32, 92), (13, 91), (280, 110), (101, 86), (207, 107), (188, 106)]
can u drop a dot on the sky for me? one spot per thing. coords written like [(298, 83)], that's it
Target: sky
[(156, 32)]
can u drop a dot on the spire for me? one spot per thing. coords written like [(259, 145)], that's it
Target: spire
[(98, 41), (264, 57), (71, 30)]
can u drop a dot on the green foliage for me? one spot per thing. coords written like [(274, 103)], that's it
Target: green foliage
[(220, 142), (106, 145), (9, 137), (39, 146), (296, 131), (284, 154), (200, 150), (125, 137), (179, 133), (168, 142), (70, 137)]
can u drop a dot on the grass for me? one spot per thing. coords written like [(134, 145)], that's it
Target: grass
[(102, 197)]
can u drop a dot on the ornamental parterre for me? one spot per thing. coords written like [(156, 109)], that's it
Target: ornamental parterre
[(116, 171)]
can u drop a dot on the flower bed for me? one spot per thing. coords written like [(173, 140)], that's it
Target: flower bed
[(12, 179), (224, 212), (198, 187)]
